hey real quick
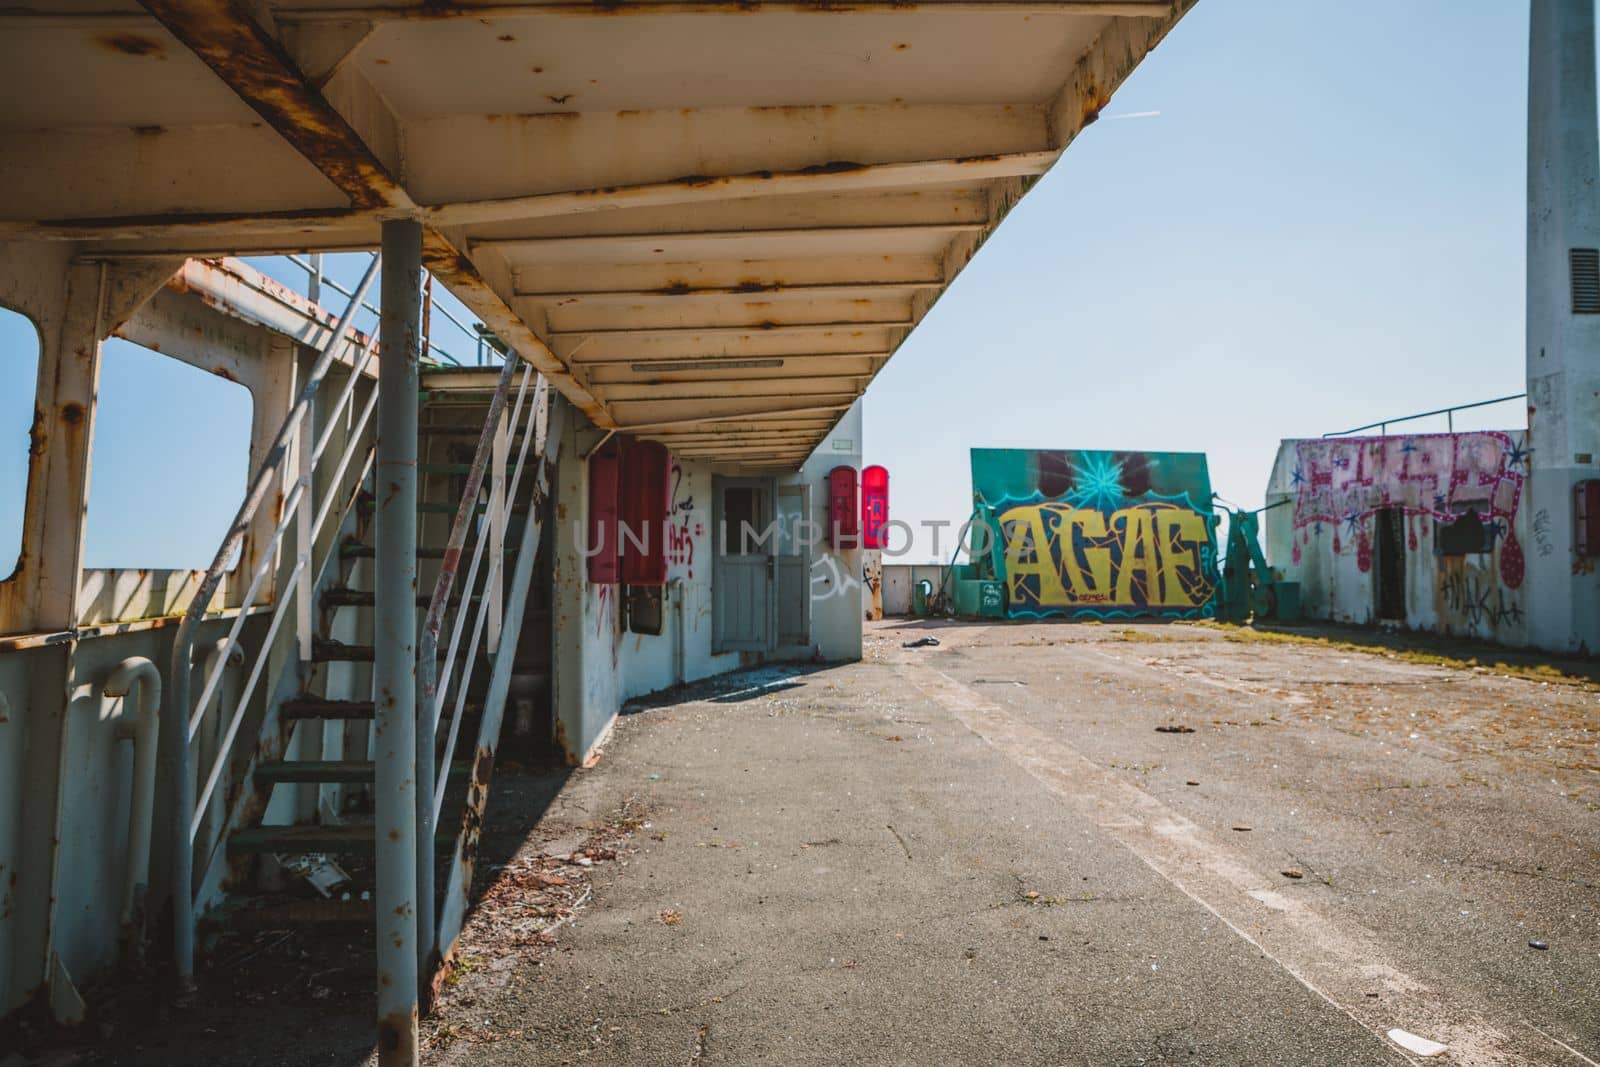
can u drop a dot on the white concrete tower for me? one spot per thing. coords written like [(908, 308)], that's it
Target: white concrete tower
[(1563, 318)]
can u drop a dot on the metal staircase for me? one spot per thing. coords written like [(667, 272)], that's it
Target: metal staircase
[(303, 790)]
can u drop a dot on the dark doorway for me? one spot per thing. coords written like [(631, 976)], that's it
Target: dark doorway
[(1389, 564)]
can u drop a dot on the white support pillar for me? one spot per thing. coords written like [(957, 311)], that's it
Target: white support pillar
[(1563, 357)]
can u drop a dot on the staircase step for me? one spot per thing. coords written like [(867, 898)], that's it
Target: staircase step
[(341, 597), (313, 708), (347, 772), (355, 838), (332, 710), (450, 468), (450, 509), (256, 914), (357, 550), (325, 651)]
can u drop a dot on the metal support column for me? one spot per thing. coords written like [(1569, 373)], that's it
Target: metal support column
[(394, 638)]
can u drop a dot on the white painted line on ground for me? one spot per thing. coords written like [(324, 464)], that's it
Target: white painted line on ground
[(1338, 963)]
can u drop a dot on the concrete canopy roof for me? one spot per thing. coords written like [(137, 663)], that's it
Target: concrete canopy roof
[(710, 222)]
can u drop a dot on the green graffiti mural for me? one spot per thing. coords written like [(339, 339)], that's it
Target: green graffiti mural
[(1100, 534)]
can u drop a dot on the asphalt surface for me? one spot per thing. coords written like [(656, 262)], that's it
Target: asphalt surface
[(985, 852)]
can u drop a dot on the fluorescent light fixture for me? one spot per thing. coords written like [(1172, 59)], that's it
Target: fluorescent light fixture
[(708, 363)]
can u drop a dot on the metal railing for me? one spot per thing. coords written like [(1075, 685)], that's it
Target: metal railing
[(1449, 414), (485, 347), (182, 719), (449, 682)]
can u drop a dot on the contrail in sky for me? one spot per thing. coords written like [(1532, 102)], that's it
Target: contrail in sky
[(1136, 115)]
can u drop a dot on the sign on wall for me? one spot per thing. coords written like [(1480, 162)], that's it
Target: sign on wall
[(1101, 534)]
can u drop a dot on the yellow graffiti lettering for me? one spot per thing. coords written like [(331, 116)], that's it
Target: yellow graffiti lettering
[(1180, 533), (1041, 566), (1090, 526), (1138, 556), (1144, 556)]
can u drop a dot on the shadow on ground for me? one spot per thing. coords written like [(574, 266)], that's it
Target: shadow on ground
[(293, 997)]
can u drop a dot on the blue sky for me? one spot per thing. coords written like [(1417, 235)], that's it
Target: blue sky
[(1324, 226)]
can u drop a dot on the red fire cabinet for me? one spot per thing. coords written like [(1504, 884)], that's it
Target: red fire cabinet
[(844, 518), (1586, 517), (646, 496), (605, 472), (874, 507)]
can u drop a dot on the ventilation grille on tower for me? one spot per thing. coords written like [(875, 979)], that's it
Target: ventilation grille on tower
[(1585, 263)]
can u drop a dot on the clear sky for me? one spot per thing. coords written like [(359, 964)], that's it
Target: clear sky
[(1322, 227)]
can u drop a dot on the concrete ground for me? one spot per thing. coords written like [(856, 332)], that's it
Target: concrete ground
[(1058, 844)]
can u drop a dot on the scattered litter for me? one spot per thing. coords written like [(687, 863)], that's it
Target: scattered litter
[(655, 778), (670, 917), (894, 737), (1177, 728), (1292, 872), (1032, 894), (319, 872), (583, 861), (1191, 782), (1542, 946), (997, 681), (921, 642), (1420, 1046), (1241, 827)]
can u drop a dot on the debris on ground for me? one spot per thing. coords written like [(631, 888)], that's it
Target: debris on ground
[(1542, 946), (1191, 782), (520, 909), (1175, 728), (1419, 1046), (1292, 872), (1241, 827), (670, 917), (318, 871), (921, 642)]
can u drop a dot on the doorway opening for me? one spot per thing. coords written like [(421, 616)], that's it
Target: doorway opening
[(1389, 564)]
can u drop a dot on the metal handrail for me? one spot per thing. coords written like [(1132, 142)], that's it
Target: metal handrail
[(177, 728), (428, 701), (433, 686), (1449, 414), (314, 271), (496, 570)]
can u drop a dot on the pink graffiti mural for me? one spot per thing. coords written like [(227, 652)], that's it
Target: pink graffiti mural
[(1341, 482)]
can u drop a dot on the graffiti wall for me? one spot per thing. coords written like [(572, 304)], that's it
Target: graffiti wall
[(1101, 534), (1438, 518)]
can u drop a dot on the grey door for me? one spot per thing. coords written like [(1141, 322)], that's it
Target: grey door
[(794, 565), (744, 545)]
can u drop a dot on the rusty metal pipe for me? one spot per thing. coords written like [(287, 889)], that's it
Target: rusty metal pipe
[(394, 672), (143, 731), (175, 712)]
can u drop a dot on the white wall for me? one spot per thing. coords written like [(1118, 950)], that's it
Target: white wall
[(599, 665), (1481, 595)]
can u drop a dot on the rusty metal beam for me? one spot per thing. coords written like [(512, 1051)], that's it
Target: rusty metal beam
[(260, 70), (257, 67), (743, 289), (513, 245), (281, 230), (736, 331), (839, 177), (462, 277), (300, 11), (714, 363), (753, 416)]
